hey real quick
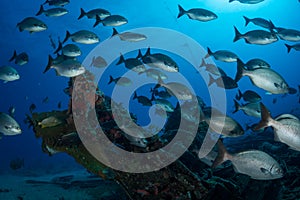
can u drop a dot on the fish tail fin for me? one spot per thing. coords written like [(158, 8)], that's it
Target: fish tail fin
[(211, 80), (222, 156), (240, 70), (203, 63), (98, 21), (20, 29), (41, 11), (289, 47), (139, 54), (111, 79), (121, 60), (93, 61), (135, 95), (247, 20), (82, 13), (239, 95), (58, 48), (115, 32), (238, 35), (68, 35), (237, 106), (14, 56), (49, 65), (147, 52), (209, 53), (265, 118), (181, 11), (272, 25)]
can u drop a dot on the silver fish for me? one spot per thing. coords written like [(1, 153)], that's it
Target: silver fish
[(179, 90), (259, 37), (83, 36), (213, 69), (289, 35), (247, 1), (112, 20), (50, 122), (121, 81), (286, 127), (225, 82), (256, 63), (20, 59), (250, 109), (249, 96), (161, 61), (197, 14), (260, 22), (264, 78), (222, 55), (92, 14), (294, 46), (8, 125), (98, 62), (8, 73), (256, 164), (133, 64), (164, 104), (221, 123), (129, 36), (70, 50), (52, 12), (145, 101), (57, 2), (155, 74), (32, 24), (67, 68)]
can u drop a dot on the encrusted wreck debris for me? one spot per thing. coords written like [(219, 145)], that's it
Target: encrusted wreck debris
[(186, 178)]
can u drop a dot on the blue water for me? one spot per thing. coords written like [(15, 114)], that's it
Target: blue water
[(218, 34)]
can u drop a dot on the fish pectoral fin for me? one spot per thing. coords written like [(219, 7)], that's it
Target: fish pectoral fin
[(265, 171)]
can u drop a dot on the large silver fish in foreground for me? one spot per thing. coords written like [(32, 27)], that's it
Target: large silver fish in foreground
[(264, 78), (286, 127), (9, 126), (256, 164)]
